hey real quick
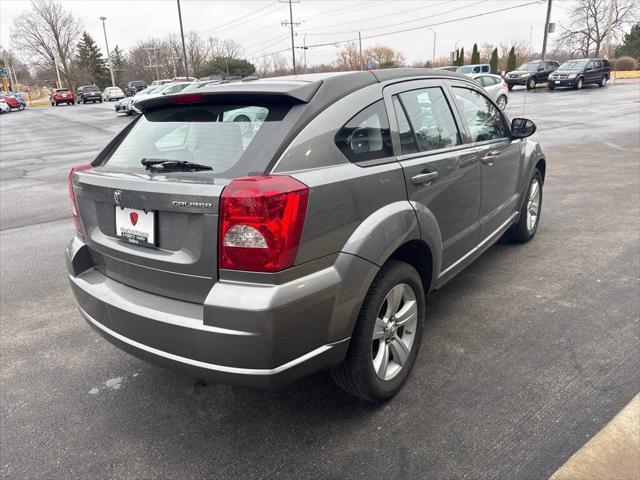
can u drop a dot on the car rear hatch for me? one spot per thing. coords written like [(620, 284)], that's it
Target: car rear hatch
[(155, 228)]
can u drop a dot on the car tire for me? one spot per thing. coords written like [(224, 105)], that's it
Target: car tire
[(20, 107), (550, 87), (579, 83), (531, 83), (527, 225), (509, 87), (603, 81), (370, 359), (502, 102)]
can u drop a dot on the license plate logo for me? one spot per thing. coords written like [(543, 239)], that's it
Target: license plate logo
[(135, 226)]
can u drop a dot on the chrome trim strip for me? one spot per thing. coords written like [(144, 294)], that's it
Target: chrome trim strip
[(499, 230), (211, 366)]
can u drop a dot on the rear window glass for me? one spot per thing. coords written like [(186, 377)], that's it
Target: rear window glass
[(213, 135)]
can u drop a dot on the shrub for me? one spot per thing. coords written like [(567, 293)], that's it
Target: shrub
[(626, 63)]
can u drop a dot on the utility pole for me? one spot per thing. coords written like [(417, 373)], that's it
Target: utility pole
[(184, 50), (55, 62), (104, 29), (304, 51), (360, 47), (607, 42), (433, 58), (546, 30), (291, 24), (148, 49)]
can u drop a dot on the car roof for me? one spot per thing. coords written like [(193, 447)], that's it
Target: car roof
[(324, 88)]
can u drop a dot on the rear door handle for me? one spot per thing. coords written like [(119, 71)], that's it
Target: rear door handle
[(490, 156), (424, 178)]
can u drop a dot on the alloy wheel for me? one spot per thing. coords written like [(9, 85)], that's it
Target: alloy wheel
[(394, 332), (532, 83), (502, 102), (533, 205)]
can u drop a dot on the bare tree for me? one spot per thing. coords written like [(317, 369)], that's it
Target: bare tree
[(520, 48), (197, 52), (383, 57), (587, 30), (46, 33), (349, 57)]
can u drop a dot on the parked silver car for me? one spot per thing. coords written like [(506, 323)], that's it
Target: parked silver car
[(495, 86), (311, 246)]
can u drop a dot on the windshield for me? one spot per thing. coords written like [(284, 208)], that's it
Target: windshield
[(574, 65), (138, 84), (529, 67), (91, 89), (465, 70), (212, 135)]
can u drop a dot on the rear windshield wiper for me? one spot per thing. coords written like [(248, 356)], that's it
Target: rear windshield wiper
[(157, 164)]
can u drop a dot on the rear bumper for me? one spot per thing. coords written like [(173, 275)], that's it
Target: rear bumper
[(252, 334)]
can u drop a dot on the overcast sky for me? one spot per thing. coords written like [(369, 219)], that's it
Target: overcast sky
[(256, 24)]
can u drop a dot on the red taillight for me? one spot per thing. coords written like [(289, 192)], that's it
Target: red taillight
[(261, 220), (72, 195)]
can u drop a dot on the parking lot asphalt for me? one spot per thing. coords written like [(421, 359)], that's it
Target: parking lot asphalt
[(526, 354)]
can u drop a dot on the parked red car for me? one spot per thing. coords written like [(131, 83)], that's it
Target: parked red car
[(13, 102), (62, 95)]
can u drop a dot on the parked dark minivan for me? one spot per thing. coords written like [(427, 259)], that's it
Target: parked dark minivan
[(576, 73), (310, 240)]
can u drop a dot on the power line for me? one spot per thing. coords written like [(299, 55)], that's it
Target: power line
[(239, 20), (394, 32), (376, 18)]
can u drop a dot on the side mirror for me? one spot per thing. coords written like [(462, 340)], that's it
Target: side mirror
[(522, 128)]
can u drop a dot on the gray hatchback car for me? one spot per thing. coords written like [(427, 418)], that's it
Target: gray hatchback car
[(260, 255)]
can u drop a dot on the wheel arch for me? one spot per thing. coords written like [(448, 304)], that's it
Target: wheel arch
[(417, 254)]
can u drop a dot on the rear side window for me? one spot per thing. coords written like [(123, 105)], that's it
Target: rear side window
[(485, 69), (431, 119), (213, 135), (366, 136), (484, 120)]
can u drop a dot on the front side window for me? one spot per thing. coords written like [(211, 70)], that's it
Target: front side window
[(431, 119), (212, 135), (366, 136), (484, 120)]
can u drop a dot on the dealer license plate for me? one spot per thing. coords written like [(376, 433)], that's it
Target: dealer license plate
[(136, 226)]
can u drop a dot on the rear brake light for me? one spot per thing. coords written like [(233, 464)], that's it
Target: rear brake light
[(188, 98), (72, 195), (261, 220)]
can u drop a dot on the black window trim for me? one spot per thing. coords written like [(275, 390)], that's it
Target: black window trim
[(453, 116)]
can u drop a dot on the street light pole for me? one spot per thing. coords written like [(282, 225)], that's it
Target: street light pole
[(104, 29), (184, 50)]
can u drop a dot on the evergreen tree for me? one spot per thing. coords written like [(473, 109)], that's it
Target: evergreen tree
[(494, 61), (461, 58), (630, 43), (90, 63), (118, 64), (511, 60), (475, 55), (456, 58)]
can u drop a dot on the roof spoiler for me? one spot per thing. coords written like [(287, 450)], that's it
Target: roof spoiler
[(294, 92)]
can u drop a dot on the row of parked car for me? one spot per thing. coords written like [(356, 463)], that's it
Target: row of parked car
[(572, 73)]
